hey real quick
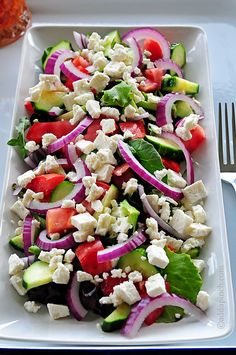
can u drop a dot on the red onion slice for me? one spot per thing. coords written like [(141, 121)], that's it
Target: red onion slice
[(34, 158), (61, 142), (71, 154), (164, 107), (137, 53), (168, 64), (77, 194), (73, 73), (49, 68), (188, 158), (29, 229), (143, 33), (81, 40), (134, 164), (44, 243), (73, 298), (62, 161), (116, 251), (54, 63), (81, 170), (148, 208), (147, 305), (28, 260), (30, 162)]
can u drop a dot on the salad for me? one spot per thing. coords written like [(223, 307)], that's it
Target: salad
[(111, 220)]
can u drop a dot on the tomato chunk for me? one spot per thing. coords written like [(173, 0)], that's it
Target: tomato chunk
[(110, 282), (153, 316), (79, 61), (171, 164), (149, 86), (198, 137), (29, 107), (58, 219), (95, 126), (69, 84), (45, 183), (154, 75), (122, 173), (137, 128), (38, 129), (154, 48), (87, 255)]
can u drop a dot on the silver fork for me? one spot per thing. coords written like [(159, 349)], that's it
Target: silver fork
[(228, 167)]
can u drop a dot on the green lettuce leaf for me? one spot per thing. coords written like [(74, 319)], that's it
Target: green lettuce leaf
[(168, 315), (120, 95), (19, 141), (182, 275), (146, 155)]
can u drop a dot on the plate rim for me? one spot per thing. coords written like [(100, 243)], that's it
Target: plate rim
[(227, 330)]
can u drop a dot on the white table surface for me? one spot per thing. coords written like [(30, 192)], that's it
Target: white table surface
[(219, 21)]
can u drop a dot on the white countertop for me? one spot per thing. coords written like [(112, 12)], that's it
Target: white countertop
[(219, 23)]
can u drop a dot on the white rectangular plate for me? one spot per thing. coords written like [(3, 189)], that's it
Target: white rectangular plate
[(16, 323)]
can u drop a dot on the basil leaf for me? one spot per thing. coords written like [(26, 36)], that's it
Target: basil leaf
[(183, 276), (120, 95), (168, 315), (146, 155), (19, 141)]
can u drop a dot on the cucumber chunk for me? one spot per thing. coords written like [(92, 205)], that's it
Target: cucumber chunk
[(111, 39), (50, 50), (116, 319), (194, 252), (17, 242), (47, 100), (37, 274), (134, 260), (182, 109), (178, 55), (176, 84), (166, 148), (61, 191), (34, 249), (131, 212)]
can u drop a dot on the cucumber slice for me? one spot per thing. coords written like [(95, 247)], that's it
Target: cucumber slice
[(166, 148), (134, 260), (49, 99), (61, 191), (37, 274), (111, 39), (50, 50), (116, 319), (178, 55), (17, 242), (176, 84), (182, 109)]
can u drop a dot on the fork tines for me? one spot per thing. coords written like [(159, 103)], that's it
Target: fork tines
[(228, 164)]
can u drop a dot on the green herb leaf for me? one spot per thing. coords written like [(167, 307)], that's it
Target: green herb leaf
[(146, 155), (19, 141), (120, 95), (182, 275), (168, 315)]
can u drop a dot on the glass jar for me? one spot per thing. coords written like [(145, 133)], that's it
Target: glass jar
[(15, 18)]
